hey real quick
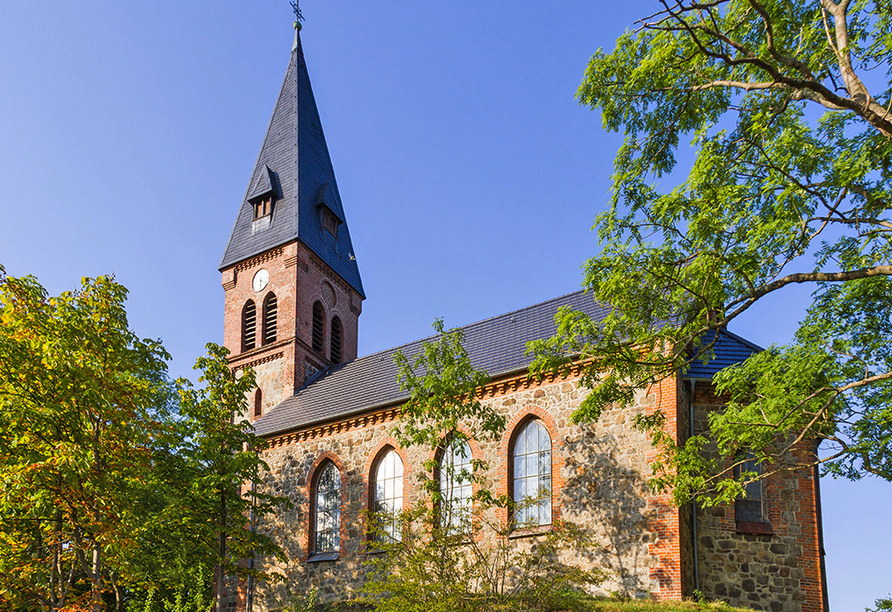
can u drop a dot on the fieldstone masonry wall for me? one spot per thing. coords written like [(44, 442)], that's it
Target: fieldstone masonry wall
[(778, 571), (599, 482), (599, 473)]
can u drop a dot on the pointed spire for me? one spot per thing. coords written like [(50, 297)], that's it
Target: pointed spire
[(295, 165)]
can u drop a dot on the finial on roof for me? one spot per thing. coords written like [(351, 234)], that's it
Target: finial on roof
[(298, 17)]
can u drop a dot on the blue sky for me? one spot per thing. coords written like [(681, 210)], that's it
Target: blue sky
[(469, 174)]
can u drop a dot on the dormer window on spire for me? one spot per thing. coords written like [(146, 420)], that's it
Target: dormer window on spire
[(263, 207), (330, 222)]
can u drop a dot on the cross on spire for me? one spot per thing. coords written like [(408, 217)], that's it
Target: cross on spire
[(298, 16)]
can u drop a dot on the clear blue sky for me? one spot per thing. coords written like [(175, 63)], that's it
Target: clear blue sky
[(469, 174)]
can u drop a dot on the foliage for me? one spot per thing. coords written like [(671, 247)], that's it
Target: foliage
[(882, 605), (440, 564), (433, 568), (111, 489), (222, 460), (785, 104), (84, 409)]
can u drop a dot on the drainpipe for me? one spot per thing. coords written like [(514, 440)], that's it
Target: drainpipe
[(693, 502), (249, 596)]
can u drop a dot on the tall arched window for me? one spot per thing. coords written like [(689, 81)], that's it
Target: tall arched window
[(531, 459), (456, 486), (249, 326), (258, 403), (337, 334), (387, 501), (318, 326), (327, 510), (270, 310)]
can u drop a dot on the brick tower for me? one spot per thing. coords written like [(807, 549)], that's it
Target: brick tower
[(293, 290)]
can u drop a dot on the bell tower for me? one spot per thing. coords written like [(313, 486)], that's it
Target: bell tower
[(293, 290)]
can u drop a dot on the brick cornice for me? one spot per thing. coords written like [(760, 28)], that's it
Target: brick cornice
[(259, 259)]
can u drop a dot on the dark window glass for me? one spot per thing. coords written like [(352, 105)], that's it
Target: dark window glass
[(249, 326), (318, 326), (270, 310), (327, 527), (748, 509), (336, 340)]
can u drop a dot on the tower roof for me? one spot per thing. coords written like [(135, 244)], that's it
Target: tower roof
[(294, 165)]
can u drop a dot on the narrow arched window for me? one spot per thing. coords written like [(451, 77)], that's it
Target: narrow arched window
[(327, 510), (318, 326), (531, 468), (337, 334), (258, 403), (249, 326), (748, 508), (387, 502), (456, 472), (270, 309)]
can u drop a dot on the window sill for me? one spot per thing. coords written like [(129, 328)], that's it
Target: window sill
[(529, 532), (327, 556), (755, 527)]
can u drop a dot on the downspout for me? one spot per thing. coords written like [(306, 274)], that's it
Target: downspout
[(249, 596), (694, 502)]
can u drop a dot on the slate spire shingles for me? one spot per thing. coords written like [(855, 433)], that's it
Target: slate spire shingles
[(294, 160)]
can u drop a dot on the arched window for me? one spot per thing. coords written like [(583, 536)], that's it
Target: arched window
[(531, 459), (326, 520), (456, 486), (387, 496), (258, 403), (270, 308), (337, 333), (249, 326), (318, 326)]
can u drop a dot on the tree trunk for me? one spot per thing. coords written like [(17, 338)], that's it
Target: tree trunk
[(96, 578)]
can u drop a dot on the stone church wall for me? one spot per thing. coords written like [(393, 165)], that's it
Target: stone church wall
[(599, 476), (778, 571)]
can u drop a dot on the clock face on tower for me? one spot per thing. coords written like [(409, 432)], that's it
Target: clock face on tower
[(261, 280)]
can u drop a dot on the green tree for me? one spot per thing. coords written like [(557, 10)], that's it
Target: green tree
[(84, 403), (460, 558), (786, 105), (220, 454)]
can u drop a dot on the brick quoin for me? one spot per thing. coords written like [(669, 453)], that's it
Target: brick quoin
[(664, 517)]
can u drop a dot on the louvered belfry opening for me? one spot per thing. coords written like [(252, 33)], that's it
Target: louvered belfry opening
[(249, 326), (318, 327), (270, 308), (336, 337)]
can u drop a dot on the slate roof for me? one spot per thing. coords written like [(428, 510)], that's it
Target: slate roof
[(295, 163), (496, 345), (728, 350)]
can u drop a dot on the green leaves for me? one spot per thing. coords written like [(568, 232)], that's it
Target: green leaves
[(789, 184)]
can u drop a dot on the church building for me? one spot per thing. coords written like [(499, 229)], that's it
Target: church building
[(293, 297)]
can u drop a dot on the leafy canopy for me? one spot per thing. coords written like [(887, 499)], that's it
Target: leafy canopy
[(785, 104)]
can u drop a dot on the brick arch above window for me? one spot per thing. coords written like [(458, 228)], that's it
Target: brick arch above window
[(381, 447), (506, 449), (319, 464)]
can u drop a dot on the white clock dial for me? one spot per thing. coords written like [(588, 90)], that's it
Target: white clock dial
[(261, 280)]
